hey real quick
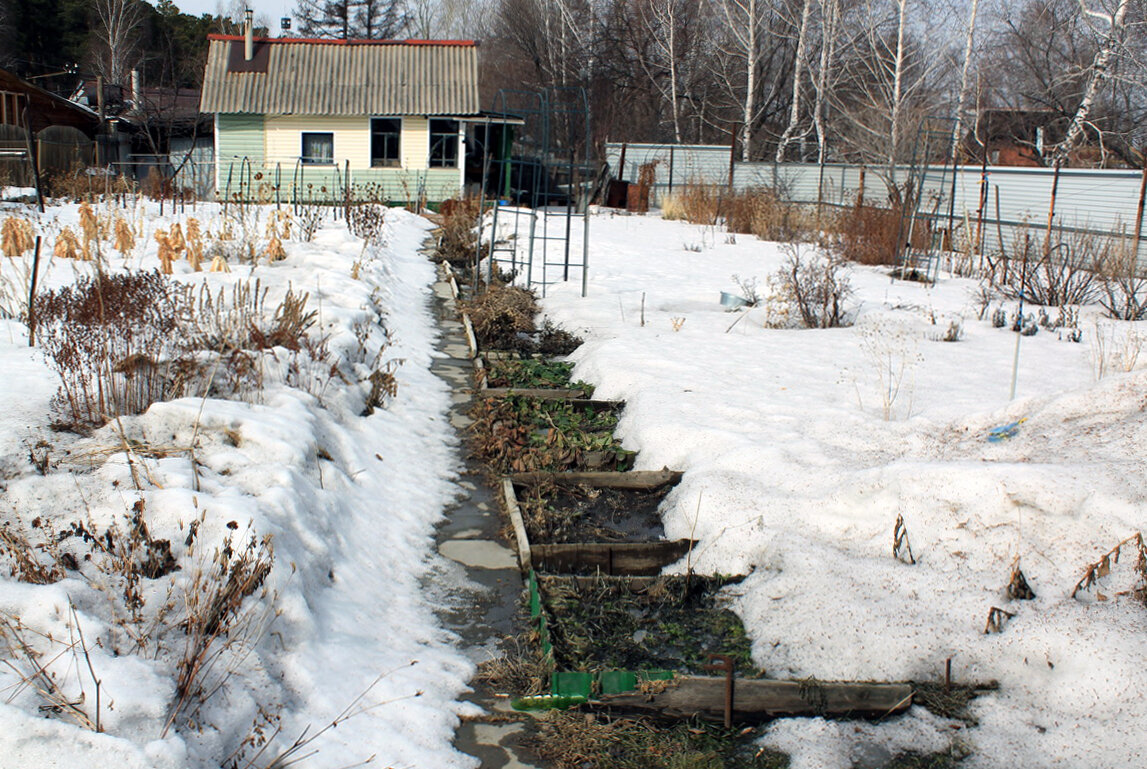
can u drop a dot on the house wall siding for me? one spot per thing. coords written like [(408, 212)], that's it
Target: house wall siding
[(238, 137), (415, 142), (273, 145)]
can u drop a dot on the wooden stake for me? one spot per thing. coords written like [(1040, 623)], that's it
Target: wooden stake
[(32, 295)]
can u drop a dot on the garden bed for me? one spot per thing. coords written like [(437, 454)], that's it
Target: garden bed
[(666, 623), (591, 523), (498, 375), (521, 434)]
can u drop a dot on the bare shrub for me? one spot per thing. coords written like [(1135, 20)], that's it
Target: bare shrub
[(116, 344), (1123, 294), (367, 221), (869, 235), (458, 236), (811, 290), (501, 316), (75, 184), (310, 216), (219, 621), (1065, 275)]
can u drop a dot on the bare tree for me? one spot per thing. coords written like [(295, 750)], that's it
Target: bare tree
[(346, 19), (830, 20), (798, 71), (962, 96), (670, 59), (744, 23), (1109, 19), (889, 80), (116, 38), (446, 19)]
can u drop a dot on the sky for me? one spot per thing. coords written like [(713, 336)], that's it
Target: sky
[(273, 10)]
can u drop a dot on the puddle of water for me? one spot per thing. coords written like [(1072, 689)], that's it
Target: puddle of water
[(479, 553)]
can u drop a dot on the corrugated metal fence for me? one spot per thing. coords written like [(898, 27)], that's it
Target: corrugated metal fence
[(1018, 199)]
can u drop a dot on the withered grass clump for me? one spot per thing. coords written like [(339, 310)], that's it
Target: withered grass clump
[(218, 622), (24, 557), (693, 203), (1102, 568), (115, 343), (761, 212), (501, 315)]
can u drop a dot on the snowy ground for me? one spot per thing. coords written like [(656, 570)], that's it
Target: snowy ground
[(344, 622), (793, 472)]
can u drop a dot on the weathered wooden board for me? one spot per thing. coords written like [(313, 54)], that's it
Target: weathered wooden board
[(758, 700), (642, 480), (641, 559), (525, 555)]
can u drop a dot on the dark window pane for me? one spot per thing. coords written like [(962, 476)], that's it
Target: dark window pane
[(385, 141), (443, 143), (318, 148)]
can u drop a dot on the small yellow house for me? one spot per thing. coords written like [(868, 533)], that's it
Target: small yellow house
[(311, 117)]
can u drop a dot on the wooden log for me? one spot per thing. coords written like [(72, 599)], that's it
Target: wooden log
[(639, 480), (759, 700), (641, 559)]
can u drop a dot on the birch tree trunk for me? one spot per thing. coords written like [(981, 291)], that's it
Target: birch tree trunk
[(1097, 74), (798, 75), (830, 13), (895, 129), (962, 98)]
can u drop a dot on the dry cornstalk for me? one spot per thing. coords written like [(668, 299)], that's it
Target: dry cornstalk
[(194, 244), (219, 264), (167, 254), (178, 243), (16, 236), (124, 239), (89, 224), (274, 251), (68, 245)]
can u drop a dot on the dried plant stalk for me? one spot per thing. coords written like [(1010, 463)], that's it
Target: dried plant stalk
[(901, 548), (997, 618), (1101, 568)]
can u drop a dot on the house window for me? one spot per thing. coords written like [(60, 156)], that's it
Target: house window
[(443, 143), (385, 142), (318, 148)]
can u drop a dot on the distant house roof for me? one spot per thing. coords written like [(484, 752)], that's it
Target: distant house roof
[(341, 77), (47, 108)]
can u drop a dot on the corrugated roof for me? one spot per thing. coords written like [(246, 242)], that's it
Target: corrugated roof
[(341, 77)]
